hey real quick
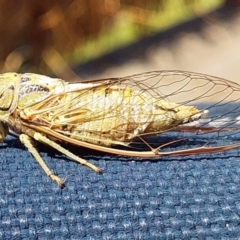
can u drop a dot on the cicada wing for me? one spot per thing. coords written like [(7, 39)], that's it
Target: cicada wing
[(91, 109)]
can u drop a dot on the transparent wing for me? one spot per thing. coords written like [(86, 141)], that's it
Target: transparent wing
[(220, 97)]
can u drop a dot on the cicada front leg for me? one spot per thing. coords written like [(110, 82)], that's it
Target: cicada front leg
[(28, 142), (3, 131)]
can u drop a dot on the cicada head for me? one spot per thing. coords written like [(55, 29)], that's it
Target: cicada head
[(9, 83)]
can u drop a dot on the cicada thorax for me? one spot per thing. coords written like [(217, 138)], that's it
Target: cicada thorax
[(20, 91), (36, 88)]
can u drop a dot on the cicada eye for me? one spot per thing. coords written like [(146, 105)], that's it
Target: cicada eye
[(6, 97), (8, 81)]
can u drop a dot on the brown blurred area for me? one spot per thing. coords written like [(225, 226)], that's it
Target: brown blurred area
[(37, 36), (33, 32)]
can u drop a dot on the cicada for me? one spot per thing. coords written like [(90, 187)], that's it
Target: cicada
[(141, 115)]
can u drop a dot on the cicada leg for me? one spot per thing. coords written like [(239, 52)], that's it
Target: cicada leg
[(3, 131), (27, 141), (41, 138)]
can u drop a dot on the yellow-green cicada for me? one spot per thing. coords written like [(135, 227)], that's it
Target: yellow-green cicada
[(107, 113)]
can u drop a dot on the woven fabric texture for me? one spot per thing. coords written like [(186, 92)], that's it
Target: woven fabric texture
[(192, 197)]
